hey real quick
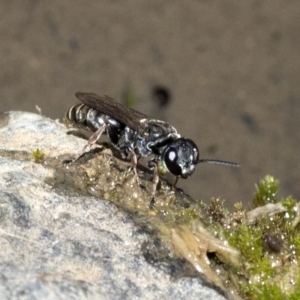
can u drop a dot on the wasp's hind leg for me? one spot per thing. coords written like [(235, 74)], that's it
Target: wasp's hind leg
[(91, 141)]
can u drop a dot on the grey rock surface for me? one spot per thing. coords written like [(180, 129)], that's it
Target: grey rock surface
[(59, 245)]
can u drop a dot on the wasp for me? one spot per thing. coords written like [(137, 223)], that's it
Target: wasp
[(136, 135)]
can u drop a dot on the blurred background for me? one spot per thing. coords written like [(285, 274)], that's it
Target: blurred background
[(231, 70)]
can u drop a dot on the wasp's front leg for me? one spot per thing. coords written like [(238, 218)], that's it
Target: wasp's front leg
[(152, 164)]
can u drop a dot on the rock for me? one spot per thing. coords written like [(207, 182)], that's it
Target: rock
[(57, 243)]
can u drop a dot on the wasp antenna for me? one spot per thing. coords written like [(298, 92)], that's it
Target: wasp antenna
[(219, 162)]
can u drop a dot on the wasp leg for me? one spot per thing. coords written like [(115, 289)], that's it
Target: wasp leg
[(91, 141), (134, 161), (175, 182), (155, 181)]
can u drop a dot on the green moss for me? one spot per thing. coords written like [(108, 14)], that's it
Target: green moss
[(266, 191), (295, 295), (264, 292), (290, 204), (38, 155), (187, 215), (248, 240), (271, 292), (270, 247), (180, 216), (295, 244)]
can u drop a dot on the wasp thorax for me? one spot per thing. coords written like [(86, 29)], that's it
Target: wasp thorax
[(181, 157)]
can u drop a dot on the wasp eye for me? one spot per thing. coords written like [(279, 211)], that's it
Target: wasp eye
[(171, 160)]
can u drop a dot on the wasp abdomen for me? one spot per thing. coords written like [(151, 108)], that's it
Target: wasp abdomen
[(83, 116)]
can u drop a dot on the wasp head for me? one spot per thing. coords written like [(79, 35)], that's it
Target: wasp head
[(181, 157)]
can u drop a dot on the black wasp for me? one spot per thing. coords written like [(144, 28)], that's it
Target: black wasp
[(136, 135)]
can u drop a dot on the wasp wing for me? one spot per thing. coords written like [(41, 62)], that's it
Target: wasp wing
[(113, 109)]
